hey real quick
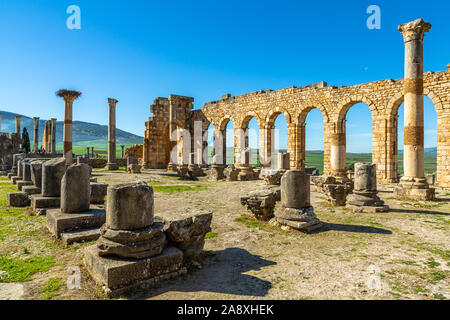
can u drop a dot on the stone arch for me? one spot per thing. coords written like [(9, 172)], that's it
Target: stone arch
[(223, 122), (243, 121), (395, 102), (344, 106), (310, 106), (274, 113)]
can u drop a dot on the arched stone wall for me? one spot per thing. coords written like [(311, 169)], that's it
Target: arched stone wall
[(383, 98)]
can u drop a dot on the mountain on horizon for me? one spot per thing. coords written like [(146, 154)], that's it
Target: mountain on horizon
[(83, 132)]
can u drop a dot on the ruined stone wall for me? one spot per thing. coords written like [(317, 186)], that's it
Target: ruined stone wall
[(169, 114), (383, 98), (135, 150)]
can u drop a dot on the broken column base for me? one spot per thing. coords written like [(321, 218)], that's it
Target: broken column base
[(261, 203), (216, 172), (171, 167), (414, 193), (247, 174), (366, 201), (196, 171), (22, 183), (303, 219), (112, 166), (31, 190), (118, 276), (75, 227), (18, 199)]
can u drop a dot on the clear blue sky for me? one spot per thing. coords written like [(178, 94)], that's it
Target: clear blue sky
[(136, 51)]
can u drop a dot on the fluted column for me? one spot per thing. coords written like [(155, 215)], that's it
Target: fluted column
[(413, 184), (36, 135), (112, 164), (338, 150)]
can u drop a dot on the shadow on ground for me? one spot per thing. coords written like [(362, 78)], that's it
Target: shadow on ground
[(223, 272), (420, 211), (351, 228)]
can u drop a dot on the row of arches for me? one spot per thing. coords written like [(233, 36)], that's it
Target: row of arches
[(358, 122)]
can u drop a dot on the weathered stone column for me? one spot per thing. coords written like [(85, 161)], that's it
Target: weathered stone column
[(218, 148), (112, 164), (413, 184), (123, 151), (36, 135), (87, 152), (1, 122), (53, 135), (92, 152), (338, 151), (18, 118), (69, 97)]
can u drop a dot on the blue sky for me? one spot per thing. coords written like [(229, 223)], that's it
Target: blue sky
[(136, 51)]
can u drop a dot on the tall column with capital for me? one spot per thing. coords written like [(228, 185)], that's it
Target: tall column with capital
[(112, 163), (53, 135), (413, 184), (36, 135), (69, 97)]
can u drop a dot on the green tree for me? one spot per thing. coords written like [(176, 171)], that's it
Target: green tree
[(25, 140)]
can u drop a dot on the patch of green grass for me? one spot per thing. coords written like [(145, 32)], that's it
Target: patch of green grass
[(437, 275), (174, 188), (432, 263), (51, 288), (419, 289), (249, 221), (21, 270), (210, 235), (439, 296)]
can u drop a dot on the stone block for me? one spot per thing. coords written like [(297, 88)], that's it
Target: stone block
[(19, 199), (59, 222), (76, 189), (30, 190), (117, 276), (186, 229), (98, 192), (52, 173), (40, 202)]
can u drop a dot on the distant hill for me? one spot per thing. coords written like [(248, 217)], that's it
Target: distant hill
[(426, 150), (84, 133)]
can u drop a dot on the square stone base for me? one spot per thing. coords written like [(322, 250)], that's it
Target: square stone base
[(19, 199), (31, 190), (58, 222), (414, 193), (10, 175), (367, 209), (117, 275), (23, 183), (40, 202)]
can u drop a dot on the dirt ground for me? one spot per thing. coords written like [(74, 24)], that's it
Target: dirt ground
[(400, 254)]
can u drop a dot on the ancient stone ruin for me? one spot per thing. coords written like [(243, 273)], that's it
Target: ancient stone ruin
[(75, 220), (132, 250), (296, 211), (364, 197)]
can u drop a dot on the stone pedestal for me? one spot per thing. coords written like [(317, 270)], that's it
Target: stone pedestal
[(36, 178), (231, 173), (52, 173), (131, 251), (336, 194), (246, 173), (75, 221), (296, 211), (98, 193), (216, 172), (364, 197)]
